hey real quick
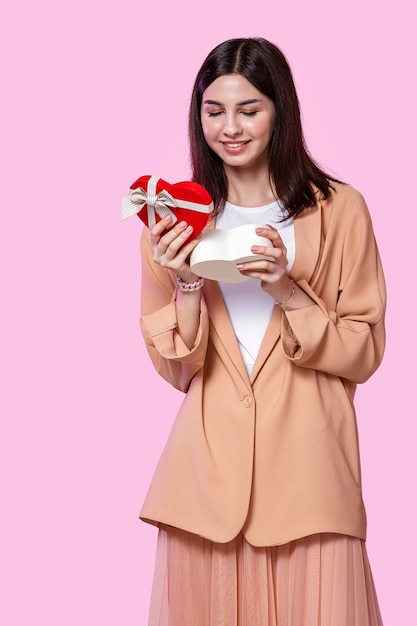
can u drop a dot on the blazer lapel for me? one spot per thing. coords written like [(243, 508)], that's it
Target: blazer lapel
[(307, 228), (224, 338), (272, 334)]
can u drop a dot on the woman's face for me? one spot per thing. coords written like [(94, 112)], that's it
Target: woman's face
[(237, 121)]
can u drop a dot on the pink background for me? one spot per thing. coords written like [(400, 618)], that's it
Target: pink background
[(95, 94)]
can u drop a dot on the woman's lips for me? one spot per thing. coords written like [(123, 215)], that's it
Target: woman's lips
[(234, 146)]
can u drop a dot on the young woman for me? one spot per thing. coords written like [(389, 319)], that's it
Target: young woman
[(257, 494)]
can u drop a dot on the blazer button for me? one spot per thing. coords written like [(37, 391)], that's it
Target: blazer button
[(247, 401)]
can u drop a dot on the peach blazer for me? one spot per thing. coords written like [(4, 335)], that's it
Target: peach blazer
[(274, 455)]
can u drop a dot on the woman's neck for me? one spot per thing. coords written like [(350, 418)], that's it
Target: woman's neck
[(248, 188)]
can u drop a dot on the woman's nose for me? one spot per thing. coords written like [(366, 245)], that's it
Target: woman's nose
[(232, 126)]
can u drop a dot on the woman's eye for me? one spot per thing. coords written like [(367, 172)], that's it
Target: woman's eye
[(249, 113), (214, 113)]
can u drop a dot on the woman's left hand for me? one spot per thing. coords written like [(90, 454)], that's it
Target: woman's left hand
[(272, 274)]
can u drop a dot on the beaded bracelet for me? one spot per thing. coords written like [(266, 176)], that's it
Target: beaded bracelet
[(283, 302), (195, 286)]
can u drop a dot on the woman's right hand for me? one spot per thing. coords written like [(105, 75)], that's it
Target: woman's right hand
[(170, 248)]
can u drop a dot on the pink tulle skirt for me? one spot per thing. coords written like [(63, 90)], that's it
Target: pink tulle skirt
[(320, 580)]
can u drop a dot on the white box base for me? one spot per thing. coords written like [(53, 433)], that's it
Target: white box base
[(220, 250)]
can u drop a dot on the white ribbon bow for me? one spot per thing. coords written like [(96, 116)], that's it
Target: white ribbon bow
[(156, 203)]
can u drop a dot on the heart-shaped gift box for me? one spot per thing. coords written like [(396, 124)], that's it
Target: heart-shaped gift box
[(152, 198)]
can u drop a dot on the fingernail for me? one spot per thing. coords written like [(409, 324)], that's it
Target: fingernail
[(182, 224), (240, 266), (188, 229), (255, 249)]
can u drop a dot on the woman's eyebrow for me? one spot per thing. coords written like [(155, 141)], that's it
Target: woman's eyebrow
[(242, 103)]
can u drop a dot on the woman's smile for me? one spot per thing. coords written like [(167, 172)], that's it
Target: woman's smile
[(235, 147)]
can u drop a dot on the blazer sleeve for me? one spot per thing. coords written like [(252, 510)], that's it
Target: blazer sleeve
[(171, 357), (343, 333)]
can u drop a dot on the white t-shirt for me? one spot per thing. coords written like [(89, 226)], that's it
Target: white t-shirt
[(248, 306)]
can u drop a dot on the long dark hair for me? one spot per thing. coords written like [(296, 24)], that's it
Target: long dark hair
[(292, 170)]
